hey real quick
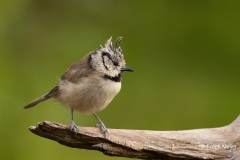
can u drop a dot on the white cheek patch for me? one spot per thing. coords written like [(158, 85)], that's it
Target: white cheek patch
[(108, 63), (96, 61)]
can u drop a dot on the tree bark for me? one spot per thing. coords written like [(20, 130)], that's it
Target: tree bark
[(221, 143)]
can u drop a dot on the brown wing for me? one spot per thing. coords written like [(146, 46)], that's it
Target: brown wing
[(73, 74), (78, 70)]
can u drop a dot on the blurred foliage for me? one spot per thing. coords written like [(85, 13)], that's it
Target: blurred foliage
[(185, 55)]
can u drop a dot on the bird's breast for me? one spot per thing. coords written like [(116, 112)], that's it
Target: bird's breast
[(89, 95)]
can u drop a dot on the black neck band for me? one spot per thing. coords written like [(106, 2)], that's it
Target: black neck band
[(117, 78)]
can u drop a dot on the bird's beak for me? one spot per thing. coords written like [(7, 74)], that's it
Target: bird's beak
[(127, 69)]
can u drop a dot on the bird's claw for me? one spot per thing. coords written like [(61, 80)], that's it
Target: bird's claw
[(103, 129), (73, 127)]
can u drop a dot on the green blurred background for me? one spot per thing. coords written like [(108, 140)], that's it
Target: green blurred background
[(185, 55)]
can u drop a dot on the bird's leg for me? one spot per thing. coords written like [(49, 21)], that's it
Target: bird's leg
[(101, 126), (73, 126)]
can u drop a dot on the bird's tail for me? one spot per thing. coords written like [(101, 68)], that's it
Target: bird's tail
[(36, 101), (44, 97)]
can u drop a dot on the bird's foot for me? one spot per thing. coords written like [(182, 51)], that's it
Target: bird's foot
[(103, 129), (73, 127)]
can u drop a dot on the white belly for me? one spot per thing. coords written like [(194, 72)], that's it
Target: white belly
[(88, 95)]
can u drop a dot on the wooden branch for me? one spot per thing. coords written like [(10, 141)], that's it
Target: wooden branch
[(213, 143)]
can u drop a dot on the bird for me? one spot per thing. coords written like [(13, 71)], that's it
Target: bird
[(90, 84)]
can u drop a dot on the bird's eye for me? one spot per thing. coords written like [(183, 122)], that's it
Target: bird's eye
[(115, 63)]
